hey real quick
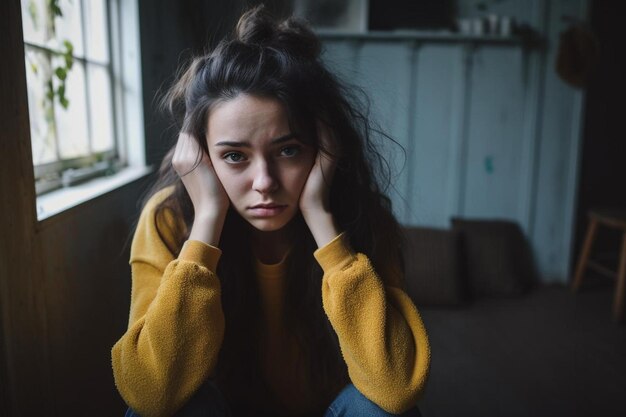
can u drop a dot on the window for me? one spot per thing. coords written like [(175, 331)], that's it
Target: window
[(71, 90)]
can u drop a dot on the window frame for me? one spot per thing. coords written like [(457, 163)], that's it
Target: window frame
[(125, 45), (56, 174)]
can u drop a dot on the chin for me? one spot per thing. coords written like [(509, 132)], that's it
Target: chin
[(271, 224), (267, 225)]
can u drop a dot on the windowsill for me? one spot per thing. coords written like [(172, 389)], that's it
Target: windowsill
[(58, 201)]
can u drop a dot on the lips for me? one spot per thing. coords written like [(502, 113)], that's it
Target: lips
[(267, 210), (268, 205)]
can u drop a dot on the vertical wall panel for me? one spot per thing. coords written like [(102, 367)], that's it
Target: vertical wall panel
[(341, 56), (384, 70), (435, 114), (557, 168), (494, 136)]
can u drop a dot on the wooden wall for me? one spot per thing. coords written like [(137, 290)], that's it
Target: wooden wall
[(22, 313), (64, 282)]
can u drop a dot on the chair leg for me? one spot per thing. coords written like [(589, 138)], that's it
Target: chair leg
[(584, 254), (620, 288)]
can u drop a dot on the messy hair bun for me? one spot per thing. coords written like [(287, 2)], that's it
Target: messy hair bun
[(258, 27)]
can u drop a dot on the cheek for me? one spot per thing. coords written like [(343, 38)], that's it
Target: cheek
[(227, 179), (298, 176)]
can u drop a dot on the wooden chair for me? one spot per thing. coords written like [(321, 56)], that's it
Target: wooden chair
[(616, 220)]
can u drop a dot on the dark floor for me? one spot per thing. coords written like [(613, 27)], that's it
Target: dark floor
[(548, 353)]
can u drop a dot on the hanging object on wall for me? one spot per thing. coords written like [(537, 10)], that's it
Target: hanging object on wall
[(577, 54)]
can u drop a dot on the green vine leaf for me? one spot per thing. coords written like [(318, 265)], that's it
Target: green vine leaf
[(68, 46), (50, 91), (64, 102), (69, 61), (54, 8), (62, 99), (61, 73)]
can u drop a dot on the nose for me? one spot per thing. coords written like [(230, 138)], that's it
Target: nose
[(264, 179)]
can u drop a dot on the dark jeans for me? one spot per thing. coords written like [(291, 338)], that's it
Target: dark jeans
[(209, 402)]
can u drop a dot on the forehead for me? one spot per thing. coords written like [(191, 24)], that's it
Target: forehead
[(247, 118)]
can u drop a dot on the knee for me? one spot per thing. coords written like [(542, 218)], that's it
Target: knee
[(206, 401), (350, 402)]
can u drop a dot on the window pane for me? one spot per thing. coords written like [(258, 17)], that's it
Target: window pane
[(40, 108), (72, 122), (97, 41), (43, 30), (68, 27), (101, 108), (34, 18)]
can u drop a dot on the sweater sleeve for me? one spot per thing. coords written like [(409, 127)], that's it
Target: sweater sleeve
[(176, 323), (381, 334)]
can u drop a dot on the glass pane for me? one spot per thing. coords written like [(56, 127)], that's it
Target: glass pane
[(40, 108), (68, 27), (72, 122), (43, 27), (100, 108), (97, 40), (34, 18)]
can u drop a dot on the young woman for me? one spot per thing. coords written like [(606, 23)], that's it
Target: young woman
[(266, 264)]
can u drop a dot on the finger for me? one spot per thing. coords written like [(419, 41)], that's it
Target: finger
[(188, 154)]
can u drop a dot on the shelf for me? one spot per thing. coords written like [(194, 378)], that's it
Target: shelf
[(420, 36)]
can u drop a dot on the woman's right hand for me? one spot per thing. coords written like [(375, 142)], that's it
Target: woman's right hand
[(209, 199)]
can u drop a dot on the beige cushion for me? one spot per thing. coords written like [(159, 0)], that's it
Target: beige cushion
[(497, 257), (432, 262)]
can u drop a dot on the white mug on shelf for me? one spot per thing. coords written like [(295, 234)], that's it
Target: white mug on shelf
[(506, 26), (465, 26), (493, 21), (478, 26)]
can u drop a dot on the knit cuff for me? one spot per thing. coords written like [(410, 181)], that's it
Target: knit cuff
[(201, 253), (336, 254)]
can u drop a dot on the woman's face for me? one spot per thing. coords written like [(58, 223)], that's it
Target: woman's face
[(258, 159)]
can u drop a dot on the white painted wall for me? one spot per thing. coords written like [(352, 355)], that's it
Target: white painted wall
[(488, 128)]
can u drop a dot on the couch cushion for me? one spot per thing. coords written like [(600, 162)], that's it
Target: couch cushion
[(497, 257), (432, 267)]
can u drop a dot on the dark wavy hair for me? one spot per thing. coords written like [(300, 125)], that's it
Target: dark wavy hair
[(281, 60)]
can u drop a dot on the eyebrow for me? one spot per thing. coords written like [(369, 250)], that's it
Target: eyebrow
[(246, 144)]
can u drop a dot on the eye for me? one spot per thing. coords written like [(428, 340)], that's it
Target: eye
[(290, 151), (233, 157)]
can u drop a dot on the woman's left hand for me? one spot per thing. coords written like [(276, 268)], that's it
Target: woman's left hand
[(315, 197), (316, 192)]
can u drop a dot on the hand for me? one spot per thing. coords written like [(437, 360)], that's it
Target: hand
[(316, 192), (204, 188), (315, 198)]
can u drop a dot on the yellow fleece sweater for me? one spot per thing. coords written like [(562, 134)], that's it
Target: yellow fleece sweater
[(176, 323)]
